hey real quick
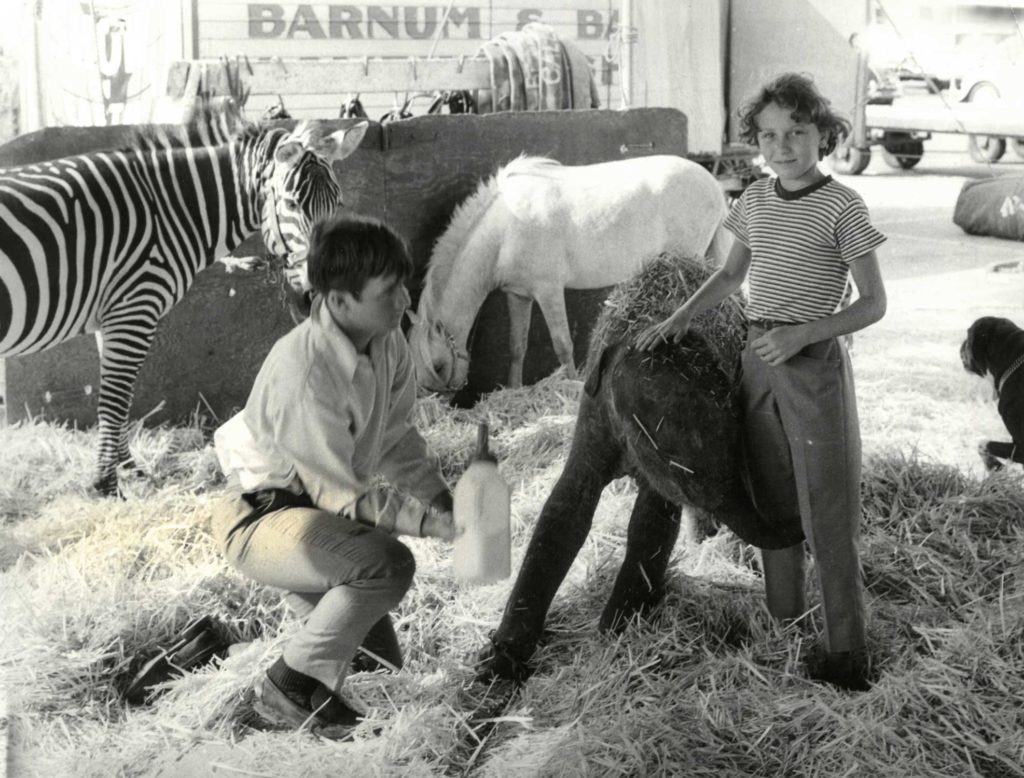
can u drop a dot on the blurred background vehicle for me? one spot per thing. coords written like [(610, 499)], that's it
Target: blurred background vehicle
[(908, 58), (995, 76)]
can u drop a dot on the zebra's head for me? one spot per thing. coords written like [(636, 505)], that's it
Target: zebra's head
[(299, 188)]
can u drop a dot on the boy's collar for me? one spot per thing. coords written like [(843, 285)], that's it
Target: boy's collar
[(337, 340)]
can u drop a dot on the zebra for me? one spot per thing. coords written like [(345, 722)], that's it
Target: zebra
[(109, 242)]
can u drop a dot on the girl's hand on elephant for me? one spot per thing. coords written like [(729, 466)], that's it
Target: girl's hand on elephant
[(671, 330)]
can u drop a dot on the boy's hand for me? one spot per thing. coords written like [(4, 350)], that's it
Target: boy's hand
[(438, 524), (671, 330), (439, 521)]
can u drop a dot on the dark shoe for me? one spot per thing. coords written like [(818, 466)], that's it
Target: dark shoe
[(848, 670), (380, 650), (199, 643), (278, 708), (991, 463)]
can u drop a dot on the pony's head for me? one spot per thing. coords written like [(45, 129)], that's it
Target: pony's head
[(441, 365), (299, 188)]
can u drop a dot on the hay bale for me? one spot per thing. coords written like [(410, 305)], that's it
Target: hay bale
[(708, 686), (716, 336)]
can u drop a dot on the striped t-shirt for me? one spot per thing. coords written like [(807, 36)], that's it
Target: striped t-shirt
[(801, 244)]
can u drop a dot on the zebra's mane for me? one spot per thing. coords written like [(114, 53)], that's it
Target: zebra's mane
[(210, 124), (447, 247)]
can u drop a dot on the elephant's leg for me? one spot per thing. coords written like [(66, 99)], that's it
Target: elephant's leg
[(564, 523), (552, 305), (519, 310), (653, 529)]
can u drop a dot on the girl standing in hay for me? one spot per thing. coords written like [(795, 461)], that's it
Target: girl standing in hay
[(800, 235)]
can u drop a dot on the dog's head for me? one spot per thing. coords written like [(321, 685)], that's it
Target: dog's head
[(980, 348)]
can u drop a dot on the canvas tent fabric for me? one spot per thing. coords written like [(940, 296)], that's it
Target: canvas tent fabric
[(681, 65)]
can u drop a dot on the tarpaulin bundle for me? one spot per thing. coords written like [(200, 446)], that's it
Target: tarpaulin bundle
[(532, 69), (992, 206)]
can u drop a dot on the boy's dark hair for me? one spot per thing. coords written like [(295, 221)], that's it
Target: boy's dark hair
[(346, 250), (799, 93)]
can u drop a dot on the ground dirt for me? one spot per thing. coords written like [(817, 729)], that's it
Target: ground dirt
[(938, 280)]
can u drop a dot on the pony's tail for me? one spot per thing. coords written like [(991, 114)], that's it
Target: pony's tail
[(719, 247)]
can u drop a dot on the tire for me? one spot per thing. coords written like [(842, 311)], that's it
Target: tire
[(985, 148), (900, 151), (847, 160), (1017, 144)]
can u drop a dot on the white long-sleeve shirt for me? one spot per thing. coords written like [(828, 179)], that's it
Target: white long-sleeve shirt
[(324, 419)]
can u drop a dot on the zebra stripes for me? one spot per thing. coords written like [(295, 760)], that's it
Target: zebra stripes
[(109, 242)]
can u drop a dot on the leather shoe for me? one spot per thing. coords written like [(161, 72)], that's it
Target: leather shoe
[(276, 707), (850, 670), (198, 644)]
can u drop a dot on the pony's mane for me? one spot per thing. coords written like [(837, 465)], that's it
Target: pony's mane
[(466, 217), (446, 248)]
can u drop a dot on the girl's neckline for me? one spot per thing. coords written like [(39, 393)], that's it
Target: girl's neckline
[(796, 194)]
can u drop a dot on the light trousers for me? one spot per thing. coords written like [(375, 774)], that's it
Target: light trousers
[(340, 577), (802, 442)]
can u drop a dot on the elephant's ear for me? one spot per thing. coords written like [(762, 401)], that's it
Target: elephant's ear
[(593, 383)]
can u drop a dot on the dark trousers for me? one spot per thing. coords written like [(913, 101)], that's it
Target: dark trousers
[(804, 458)]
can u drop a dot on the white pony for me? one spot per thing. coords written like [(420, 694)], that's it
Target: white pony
[(537, 227)]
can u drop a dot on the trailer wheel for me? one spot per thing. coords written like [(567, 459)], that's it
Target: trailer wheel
[(985, 148), (847, 160), (901, 151)]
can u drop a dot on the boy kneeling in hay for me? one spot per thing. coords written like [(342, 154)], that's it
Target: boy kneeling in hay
[(331, 409)]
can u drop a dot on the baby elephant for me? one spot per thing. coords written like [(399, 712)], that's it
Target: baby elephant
[(668, 418), (994, 349)]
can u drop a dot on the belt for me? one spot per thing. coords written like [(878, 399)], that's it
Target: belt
[(267, 501), (769, 324), (264, 501)]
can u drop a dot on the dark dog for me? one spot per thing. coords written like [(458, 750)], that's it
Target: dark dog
[(994, 349)]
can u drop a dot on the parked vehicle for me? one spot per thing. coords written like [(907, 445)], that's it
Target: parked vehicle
[(907, 61), (995, 77)]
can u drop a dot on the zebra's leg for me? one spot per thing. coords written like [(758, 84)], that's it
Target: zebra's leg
[(126, 339)]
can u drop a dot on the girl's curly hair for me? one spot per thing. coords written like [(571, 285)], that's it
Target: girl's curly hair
[(799, 93)]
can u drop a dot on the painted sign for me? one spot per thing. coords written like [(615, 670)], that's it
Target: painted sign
[(374, 22), (103, 62), (413, 28)]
